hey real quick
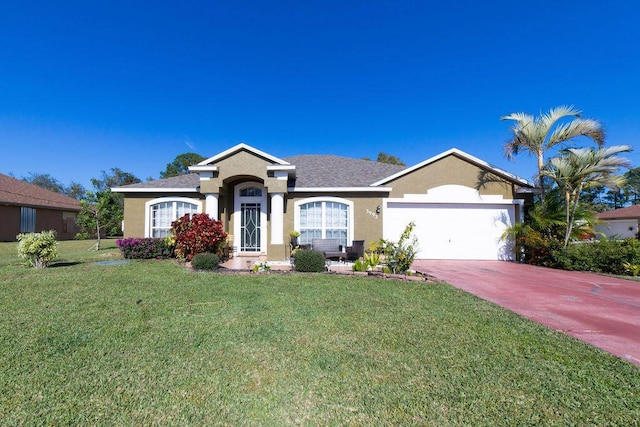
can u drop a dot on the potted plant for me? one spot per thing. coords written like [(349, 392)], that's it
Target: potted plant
[(294, 234)]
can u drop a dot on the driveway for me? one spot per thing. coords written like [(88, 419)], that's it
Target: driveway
[(599, 310)]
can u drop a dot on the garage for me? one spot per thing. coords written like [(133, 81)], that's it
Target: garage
[(453, 222)]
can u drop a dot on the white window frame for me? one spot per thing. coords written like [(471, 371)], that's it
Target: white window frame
[(323, 200), (174, 200)]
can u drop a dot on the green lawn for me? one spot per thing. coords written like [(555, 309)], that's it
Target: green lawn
[(150, 343)]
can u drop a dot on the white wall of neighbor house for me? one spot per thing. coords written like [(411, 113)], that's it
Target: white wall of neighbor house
[(619, 228)]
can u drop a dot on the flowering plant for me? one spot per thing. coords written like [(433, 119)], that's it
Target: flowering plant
[(146, 248), (197, 233), (261, 267)]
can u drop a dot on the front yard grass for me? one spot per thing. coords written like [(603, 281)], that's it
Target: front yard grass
[(150, 343)]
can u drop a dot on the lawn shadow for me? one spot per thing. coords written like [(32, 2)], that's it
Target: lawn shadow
[(65, 264)]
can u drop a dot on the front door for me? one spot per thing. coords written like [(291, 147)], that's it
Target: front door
[(250, 217), (250, 227)]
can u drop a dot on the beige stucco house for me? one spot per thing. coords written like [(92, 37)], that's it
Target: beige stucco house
[(460, 204)]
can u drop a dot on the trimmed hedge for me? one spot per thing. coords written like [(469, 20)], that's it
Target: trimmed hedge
[(146, 248), (205, 261), (601, 256), (309, 261)]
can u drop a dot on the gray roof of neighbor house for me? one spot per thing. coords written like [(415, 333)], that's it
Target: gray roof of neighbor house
[(19, 193), (335, 171), (630, 212)]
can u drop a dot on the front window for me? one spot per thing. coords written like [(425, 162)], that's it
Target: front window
[(164, 213), (325, 220)]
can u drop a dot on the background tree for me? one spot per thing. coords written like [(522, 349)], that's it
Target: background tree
[(100, 213), (631, 188), (116, 178), (75, 190), (48, 182), (102, 210), (387, 158), (614, 199), (180, 164), (537, 135)]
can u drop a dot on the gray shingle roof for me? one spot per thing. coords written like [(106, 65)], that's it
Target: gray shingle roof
[(311, 171), (336, 171), (189, 181), (16, 192)]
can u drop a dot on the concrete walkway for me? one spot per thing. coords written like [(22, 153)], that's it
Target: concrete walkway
[(599, 310)]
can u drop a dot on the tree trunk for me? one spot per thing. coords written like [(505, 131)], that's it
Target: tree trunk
[(567, 210), (98, 233), (541, 181), (572, 215)]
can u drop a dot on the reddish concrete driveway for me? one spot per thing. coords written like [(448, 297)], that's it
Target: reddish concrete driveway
[(600, 310)]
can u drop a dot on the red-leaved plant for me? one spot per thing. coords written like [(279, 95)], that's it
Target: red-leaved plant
[(196, 234)]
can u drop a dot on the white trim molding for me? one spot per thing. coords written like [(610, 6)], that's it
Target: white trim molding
[(154, 190), (339, 189)]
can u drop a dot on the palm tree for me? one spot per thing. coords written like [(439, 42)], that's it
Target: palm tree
[(580, 168), (539, 134)]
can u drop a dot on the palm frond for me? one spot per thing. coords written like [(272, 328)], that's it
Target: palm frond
[(565, 132), (548, 119)]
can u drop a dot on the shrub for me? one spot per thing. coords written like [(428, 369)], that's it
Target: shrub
[(602, 256), (543, 252), (197, 233), (403, 252), (359, 265), (308, 260), (38, 249), (371, 260), (205, 261), (146, 248), (631, 269)]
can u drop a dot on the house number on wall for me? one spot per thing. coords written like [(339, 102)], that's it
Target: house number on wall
[(372, 213)]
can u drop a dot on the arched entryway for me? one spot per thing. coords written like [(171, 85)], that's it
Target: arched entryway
[(250, 217)]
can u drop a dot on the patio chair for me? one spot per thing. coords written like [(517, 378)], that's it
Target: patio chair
[(355, 251)]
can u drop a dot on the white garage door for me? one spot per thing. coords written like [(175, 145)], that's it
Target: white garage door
[(453, 231)]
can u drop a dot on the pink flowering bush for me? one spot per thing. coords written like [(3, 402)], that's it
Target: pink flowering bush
[(146, 248)]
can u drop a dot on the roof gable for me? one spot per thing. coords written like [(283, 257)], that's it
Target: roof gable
[(17, 192), (464, 156), (237, 148)]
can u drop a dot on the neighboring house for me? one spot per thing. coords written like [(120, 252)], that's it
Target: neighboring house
[(27, 208), (620, 223), (460, 204)]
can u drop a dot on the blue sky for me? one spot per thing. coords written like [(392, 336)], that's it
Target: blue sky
[(87, 86)]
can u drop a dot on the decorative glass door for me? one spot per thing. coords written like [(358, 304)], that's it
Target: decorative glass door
[(250, 227)]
